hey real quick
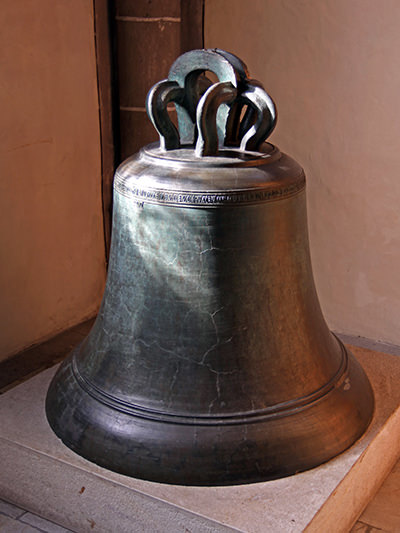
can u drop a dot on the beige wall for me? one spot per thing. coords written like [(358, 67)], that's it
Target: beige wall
[(333, 68), (52, 251)]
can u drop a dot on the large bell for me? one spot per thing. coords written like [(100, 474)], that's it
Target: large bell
[(210, 361)]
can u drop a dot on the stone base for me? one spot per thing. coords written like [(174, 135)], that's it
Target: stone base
[(40, 474)]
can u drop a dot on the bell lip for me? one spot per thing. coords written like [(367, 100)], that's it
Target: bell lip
[(198, 456)]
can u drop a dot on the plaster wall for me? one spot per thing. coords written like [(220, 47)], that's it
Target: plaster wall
[(51, 238), (333, 69)]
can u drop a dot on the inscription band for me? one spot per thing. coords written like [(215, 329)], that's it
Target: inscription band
[(206, 198)]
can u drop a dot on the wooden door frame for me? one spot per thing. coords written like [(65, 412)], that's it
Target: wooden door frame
[(192, 37), (103, 15)]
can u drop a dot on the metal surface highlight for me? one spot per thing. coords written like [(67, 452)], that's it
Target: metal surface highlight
[(210, 362)]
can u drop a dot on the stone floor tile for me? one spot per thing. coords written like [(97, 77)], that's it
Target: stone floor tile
[(42, 524), (9, 525), (10, 510)]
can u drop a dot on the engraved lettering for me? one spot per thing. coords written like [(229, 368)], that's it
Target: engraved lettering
[(147, 195)]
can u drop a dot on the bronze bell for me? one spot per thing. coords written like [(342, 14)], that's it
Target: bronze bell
[(210, 362)]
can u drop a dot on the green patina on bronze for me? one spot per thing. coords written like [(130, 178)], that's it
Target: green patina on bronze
[(210, 361)]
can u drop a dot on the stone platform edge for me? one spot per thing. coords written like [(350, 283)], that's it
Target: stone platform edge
[(40, 474)]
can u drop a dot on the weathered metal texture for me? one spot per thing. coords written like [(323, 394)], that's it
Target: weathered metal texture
[(210, 361), (211, 114)]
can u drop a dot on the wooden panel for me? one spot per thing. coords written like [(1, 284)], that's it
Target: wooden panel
[(146, 51), (136, 131), (383, 513), (192, 25), (148, 8), (105, 83)]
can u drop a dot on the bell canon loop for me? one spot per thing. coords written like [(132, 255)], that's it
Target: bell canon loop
[(210, 362)]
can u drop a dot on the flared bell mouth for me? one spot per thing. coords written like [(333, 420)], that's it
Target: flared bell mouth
[(167, 451)]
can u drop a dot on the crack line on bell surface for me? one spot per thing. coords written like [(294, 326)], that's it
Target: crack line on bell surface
[(217, 385), (155, 343), (170, 352), (173, 381), (174, 377), (212, 316), (199, 363), (213, 248), (217, 249), (216, 345)]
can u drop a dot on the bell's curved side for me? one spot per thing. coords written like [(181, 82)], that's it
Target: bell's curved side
[(210, 361)]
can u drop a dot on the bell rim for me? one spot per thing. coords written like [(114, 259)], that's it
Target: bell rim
[(268, 454)]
